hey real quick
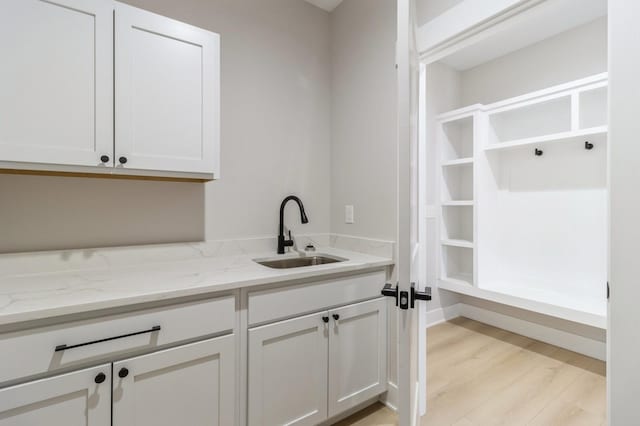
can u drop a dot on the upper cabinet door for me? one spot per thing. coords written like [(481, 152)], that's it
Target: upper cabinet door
[(56, 81), (167, 94), (81, 398)]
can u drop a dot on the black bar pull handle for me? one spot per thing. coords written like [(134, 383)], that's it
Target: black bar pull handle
[(93, 342)]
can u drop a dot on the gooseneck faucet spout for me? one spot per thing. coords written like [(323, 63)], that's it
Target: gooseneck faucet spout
[(282, 241)]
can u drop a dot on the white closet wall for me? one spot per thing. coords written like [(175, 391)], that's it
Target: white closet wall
[(515, 227), (577, 53)]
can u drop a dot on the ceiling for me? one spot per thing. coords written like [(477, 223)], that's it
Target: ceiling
[(546, 20), (327, 5)]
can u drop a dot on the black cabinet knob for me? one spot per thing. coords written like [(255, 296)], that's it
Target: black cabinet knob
[(100, 378), (104, 158), (122, 160), (336, 317), (124, 372), (325, 319)]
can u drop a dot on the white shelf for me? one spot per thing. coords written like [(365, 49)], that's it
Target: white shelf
[(458, 162), (588, 314), (564, 137), (457, 243), (457, 203)]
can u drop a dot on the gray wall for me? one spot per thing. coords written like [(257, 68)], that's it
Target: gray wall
[(275, 140), (363, 112)]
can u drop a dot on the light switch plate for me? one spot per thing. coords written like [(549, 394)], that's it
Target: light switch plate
[(348, 214)]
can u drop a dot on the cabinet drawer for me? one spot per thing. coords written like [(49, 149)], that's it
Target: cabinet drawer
[(30, 352), (289, 301)]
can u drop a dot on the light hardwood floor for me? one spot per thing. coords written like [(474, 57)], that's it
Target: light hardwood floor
[(480, 375)]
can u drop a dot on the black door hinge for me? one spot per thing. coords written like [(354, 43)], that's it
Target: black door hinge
[(608, 291)]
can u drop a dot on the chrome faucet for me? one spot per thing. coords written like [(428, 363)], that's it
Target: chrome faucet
[(282, 241)]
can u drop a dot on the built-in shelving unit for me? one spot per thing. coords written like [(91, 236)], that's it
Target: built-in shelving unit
[(522, 190), (456, 144)]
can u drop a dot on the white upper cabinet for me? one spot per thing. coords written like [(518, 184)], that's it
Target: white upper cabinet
[(56, 81), (74, 70), (166, 94)]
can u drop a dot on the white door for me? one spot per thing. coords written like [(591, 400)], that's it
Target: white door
[(623, 351), (81, 398), (407, 264), (187, 385), (56, 82), (288, 372), (166, 93), (357, 354)]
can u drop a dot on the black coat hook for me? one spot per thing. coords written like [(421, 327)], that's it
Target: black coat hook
[(588, 145), (538, 152)]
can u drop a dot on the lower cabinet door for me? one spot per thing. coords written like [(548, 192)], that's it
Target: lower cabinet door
[(357, 354), (192, 384), (81, 398), (288, 372)]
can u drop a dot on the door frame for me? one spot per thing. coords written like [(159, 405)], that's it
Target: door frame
[(453, 38)]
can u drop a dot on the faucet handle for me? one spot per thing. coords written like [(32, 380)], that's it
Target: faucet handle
[(290, 239)]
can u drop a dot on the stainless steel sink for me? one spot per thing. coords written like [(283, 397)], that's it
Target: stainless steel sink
[(298, 262)]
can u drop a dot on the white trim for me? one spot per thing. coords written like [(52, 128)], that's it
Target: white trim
[(415, 415), (461, 20), (563, 339), (591, 319), (440, 315), (390, 399), (458, 28)]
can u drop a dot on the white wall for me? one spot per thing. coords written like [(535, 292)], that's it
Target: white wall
[(429, 9), (577, 53), (363, 113), (275, 141)]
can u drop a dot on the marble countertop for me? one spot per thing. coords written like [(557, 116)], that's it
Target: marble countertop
[(35, 293)]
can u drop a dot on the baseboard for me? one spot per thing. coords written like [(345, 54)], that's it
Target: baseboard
[(573, 342), (390, 399), (440, 315)]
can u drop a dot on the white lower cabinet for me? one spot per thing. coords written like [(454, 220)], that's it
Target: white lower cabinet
[(192, 383), (357, 354), (288, 372), (307, 369), (79, 398)]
